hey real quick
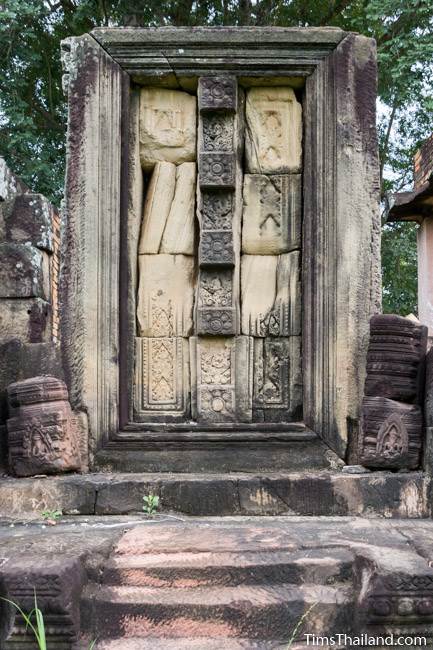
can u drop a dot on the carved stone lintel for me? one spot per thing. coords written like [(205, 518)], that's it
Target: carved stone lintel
[(217, 94), (42, 430), (277, 382), (221, 375), (161, 379), (395, 359), (391, 434), (217, 170)]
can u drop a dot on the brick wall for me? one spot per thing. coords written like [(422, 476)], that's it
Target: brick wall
[(423, 163)]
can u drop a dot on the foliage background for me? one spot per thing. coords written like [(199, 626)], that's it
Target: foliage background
[(33, 112)]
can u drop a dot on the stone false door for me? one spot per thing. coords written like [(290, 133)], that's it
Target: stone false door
[(335, 72), (219, 327)]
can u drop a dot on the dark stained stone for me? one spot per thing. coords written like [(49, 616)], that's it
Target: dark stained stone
[(395, 359), (391, 434)]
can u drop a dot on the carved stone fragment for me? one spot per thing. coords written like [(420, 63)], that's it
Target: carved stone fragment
[(216, 170), (165, 295), (179, 231), (217, 132), (274, 131), (157, 205), (221, 376), (42, 430), (161, 379), (391, 434), (216, 248), (167, 126), (24, 271), (396, 358), (217, 94), (277, 380), (271, 295), (215, 210), (58, 584), (271, 222), (399, 601), (217, 302)]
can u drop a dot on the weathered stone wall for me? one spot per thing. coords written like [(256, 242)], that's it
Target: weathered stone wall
[(29, 268)]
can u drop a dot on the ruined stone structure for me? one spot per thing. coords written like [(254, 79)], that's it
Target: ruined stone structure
[(242, 315), (218, 337)]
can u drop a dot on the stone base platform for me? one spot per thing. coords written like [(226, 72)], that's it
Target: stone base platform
[(320, 493), (240, 582)]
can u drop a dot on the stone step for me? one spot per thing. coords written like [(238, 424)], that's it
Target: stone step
[(376, 494), (255, 612), (201, 643), (180, 570)]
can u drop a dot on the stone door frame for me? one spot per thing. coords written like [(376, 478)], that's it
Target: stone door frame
[(341, 224)]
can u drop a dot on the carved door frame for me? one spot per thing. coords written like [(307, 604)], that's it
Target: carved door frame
[(341, 224)]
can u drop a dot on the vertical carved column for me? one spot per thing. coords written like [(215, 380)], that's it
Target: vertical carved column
[(219, 137), (220, 365)]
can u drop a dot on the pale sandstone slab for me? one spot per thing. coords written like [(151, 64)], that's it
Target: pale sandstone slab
[(161, 379), (165, 295), (277, 381), (167, 126), (221, 379), (179, 231), (157, 206), (271, 222), (273, 142), (271, 295)]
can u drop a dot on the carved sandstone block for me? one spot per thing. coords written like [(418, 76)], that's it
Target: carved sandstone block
[(217, 170), (58, 583), (271, 295), (161, 379), (273, 137), (167, 126), (216, 248), (217, 94), (221, 379), (396, 358), (217, 301), (215, 210), (179, 231), (277, 380), (165, 295), (271, 222), (157, 205), (42, 430), (24, 271), (391, 434)]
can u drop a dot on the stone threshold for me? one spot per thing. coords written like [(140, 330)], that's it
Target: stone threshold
[(320, 493)]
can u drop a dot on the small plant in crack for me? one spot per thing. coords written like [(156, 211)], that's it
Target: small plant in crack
[(34, 621), (298, 625), (51, 517), (151, 503)]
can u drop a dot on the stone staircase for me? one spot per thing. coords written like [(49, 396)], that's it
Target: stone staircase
[(245, 587)]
